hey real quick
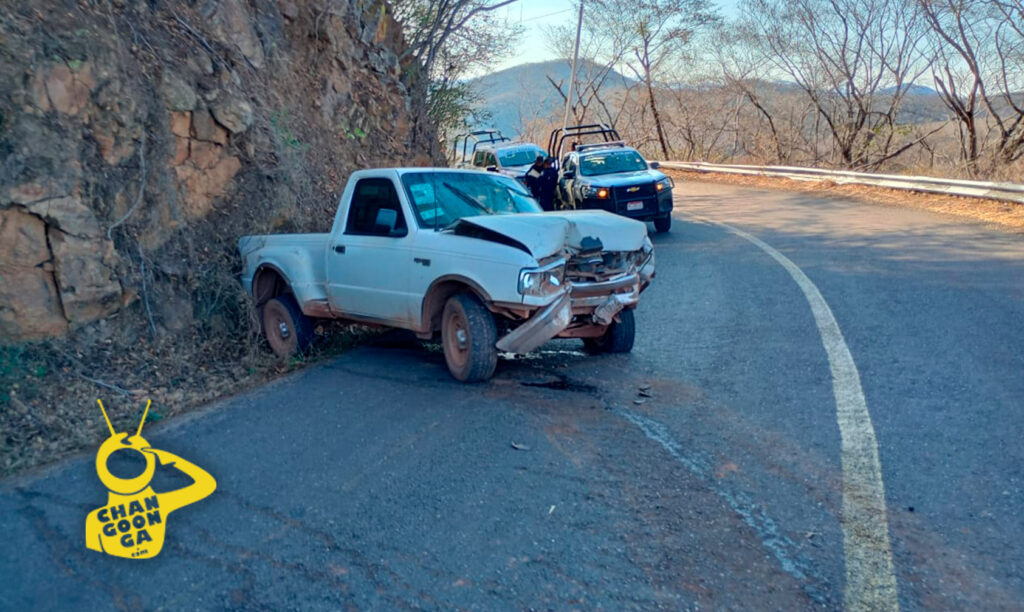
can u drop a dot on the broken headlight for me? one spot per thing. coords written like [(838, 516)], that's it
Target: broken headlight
[(545, 281)]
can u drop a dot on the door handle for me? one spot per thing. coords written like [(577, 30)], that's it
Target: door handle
[(339, 248), (420, 260)]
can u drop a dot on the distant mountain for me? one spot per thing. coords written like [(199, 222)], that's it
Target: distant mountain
[(920, 90), (523, 93)]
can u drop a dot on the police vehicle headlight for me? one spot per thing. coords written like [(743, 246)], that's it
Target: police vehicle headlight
[(663, 184), (593, 191)]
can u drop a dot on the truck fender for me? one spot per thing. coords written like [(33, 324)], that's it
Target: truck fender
[(438, 293), (268, 282)]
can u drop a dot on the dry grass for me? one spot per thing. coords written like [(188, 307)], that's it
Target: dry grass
[(48, 389), (1008, 215)]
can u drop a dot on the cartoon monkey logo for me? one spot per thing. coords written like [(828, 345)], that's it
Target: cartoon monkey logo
[(133, 523)]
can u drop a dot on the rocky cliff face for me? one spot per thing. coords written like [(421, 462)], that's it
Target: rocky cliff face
[(139, 139)]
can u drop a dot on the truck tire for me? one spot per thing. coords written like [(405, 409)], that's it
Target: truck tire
[(287, 330), (468, 336), (618, 338), (663, 224)]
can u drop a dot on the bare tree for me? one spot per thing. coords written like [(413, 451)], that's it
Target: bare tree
[(778, 124), (430, 26), (957, 71), (586, 92), (978, 47), (1010, 79), (702, 115), (651, 34), (854, 59), (741, 64), (599, 53)]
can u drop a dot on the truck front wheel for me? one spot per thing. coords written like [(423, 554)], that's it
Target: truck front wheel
[(287, 330), (663, 224), (618, 338), (468, 335)]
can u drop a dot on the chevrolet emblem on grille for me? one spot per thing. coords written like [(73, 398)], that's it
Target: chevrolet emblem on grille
[(632, 189)]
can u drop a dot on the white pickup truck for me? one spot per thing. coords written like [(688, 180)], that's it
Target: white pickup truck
[(465, 254)]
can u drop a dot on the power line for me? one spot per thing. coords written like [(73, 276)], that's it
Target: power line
[(568, 10)]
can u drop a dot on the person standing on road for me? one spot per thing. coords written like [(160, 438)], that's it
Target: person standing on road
[(548, 182), (533, 177)]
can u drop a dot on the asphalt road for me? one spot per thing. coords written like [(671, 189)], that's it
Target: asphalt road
[(376, 482)]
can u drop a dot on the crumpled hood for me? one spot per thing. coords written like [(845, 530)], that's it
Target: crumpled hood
[(545, 234)]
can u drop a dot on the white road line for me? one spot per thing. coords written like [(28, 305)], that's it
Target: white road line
[(870, 578)]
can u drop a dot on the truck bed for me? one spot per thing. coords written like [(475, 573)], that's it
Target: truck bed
[(299, 258)]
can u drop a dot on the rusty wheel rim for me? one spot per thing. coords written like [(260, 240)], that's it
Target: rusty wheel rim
[(456, 338), (280, 330)]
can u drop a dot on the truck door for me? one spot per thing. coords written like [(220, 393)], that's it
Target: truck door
[(565, 185), (368, 263)]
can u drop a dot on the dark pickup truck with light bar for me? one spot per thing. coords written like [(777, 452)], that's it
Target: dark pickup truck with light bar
[(610, 176)]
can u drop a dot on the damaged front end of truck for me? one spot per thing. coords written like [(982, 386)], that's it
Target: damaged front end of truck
[(601, 266)]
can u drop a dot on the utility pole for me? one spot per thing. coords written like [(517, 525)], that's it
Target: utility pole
[(572, 75)]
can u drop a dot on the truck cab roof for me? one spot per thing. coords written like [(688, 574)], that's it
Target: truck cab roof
[(509, 158)]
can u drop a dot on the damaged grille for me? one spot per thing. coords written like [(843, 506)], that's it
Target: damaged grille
[(599, 266)]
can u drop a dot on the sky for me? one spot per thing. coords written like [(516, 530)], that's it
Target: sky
[(532, 14)]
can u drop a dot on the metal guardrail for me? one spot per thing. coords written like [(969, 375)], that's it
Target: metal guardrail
[(1008, 192)]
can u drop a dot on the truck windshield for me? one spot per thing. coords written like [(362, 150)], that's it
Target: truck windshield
[(519, 157), (610, 162), (441, 198)]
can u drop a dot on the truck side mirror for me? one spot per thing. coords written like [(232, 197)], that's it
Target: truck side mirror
[(492, 168), (569, 175), (655, 165)]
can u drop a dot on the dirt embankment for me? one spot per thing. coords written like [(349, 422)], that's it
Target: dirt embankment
[(138, 141), (1006, 214)]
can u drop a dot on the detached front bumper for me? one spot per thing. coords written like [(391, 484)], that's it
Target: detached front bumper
[(585, 310), (541, 327)]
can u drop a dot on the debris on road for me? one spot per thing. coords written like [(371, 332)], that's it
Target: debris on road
[(519, 446)]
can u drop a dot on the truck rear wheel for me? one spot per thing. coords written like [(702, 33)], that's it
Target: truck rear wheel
[(288, 331), (468, 335), (618, 338)]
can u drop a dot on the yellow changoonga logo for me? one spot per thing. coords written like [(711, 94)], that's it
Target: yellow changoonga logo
[(134, 521)]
